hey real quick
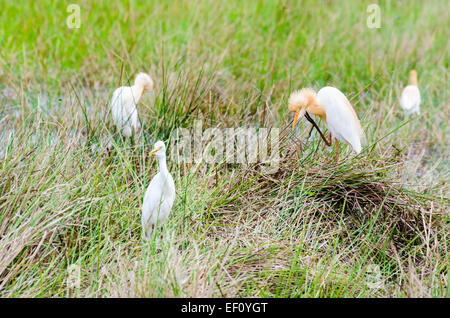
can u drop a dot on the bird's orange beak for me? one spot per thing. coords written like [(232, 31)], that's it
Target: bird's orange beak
[(296, 116), (295, 120), (154, 151)]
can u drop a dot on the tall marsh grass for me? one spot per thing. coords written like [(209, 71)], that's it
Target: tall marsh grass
[(71, 188)]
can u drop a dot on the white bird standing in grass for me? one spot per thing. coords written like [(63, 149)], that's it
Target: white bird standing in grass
[(331, 105), (124, 103), (160, 194), (410, 99)]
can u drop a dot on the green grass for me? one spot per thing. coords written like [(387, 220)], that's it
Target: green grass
[(310, 230)]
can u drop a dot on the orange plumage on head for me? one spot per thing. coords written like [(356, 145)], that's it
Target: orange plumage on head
[(413, 77), (301, 99)]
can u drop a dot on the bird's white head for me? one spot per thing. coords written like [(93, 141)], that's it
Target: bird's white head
[(159, 149), (299, 101), (145, 81)]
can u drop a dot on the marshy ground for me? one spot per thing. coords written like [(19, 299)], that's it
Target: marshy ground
[(374, 225)]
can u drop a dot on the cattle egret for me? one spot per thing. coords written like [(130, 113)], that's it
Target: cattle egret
[(410, 99), (331, 105), (160, 194), (124, 101)]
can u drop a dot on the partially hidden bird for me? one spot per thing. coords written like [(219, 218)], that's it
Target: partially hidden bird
[(331, 105), (124, 101), (160, 194), (410, 99)]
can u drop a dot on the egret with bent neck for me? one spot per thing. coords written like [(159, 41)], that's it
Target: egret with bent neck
[(124, 101), (334, 109)]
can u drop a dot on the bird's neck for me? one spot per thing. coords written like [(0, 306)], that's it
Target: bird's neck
[(163, 166), (315, 108), (413, 79), (137, 91)]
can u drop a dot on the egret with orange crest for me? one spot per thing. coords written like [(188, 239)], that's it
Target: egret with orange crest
[(410, 99), (334, 109), (124, 101)]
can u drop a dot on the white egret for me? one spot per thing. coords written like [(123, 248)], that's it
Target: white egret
[(410, 99), (160, 194), (331, 105), (124, 101)]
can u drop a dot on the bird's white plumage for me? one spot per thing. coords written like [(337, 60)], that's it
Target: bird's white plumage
[(124, 101), (160, 194), (410, 100), (124, 110), (341, 119)]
